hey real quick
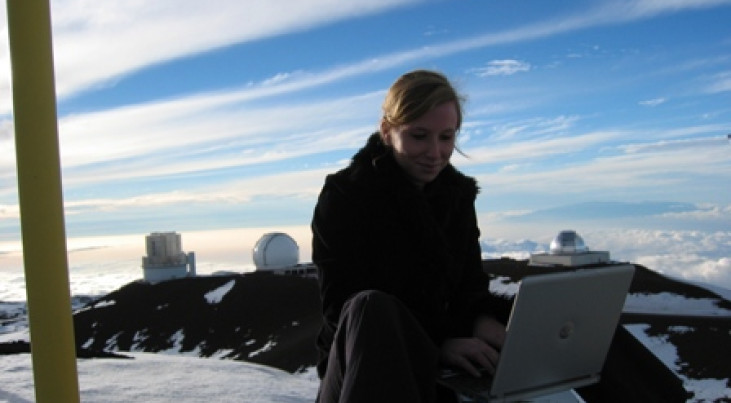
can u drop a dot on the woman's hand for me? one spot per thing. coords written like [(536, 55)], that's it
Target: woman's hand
[(489, 330), (470, 354), (480, 352)]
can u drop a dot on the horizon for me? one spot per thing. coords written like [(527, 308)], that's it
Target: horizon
[(609, 118), (100, 265)]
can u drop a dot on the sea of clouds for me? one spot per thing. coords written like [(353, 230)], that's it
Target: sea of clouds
[(101, 265)]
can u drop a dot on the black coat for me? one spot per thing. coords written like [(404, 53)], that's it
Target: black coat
[(374, 229)]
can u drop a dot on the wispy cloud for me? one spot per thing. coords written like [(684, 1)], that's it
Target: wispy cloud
[(95, 44), (292, 184), (702, 213), (535, 148), (653, 102), (721, 83), (534, 128), (657, 168), (9, 211), (115, 37), (648, 8), (206, 133), (676, 145), (502, 68)]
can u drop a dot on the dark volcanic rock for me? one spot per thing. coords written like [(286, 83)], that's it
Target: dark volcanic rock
[(14, 347), (274, 319), (263, 318)]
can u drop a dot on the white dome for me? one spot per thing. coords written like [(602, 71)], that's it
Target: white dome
[(275, 250), (567, 242)]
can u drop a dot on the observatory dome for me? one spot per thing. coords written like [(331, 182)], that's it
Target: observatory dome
[(567, 242), (275, 250)]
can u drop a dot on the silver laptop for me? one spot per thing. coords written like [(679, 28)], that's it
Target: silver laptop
[(558, 335)]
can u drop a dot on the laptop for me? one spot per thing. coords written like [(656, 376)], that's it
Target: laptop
[(558, 335)]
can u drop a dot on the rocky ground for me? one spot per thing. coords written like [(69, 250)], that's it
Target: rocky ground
[(273, 320)]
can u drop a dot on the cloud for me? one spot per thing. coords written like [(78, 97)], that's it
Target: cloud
[(598, 178), (653, 214), (502, 68), (636, 9), (9, 211), (675, 145), (535, 148), (703, 212), (653, 102), (598, 210), (721, 83), (113, 38), (298, 184), (98, 42), (700, 256), (658, 168), (7, 150), (526, 129), (690, 267), (204, 133)]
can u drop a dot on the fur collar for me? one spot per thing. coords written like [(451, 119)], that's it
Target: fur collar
[(375, 161)]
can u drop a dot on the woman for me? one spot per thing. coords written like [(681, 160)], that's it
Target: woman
[(395, 240)]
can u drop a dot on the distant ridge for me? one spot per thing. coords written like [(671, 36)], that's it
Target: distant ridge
[(607, 210)]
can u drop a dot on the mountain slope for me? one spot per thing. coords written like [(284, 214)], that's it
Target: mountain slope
[(274, 319), (261, 318)]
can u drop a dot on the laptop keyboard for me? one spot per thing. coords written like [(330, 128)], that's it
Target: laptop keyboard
[(464, 382)]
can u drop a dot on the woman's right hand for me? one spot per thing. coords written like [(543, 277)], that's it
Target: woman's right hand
[(470, 354)]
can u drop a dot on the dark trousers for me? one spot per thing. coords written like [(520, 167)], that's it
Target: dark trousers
[(380, 354)]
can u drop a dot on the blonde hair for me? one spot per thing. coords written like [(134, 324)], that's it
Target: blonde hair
[(416, 93)]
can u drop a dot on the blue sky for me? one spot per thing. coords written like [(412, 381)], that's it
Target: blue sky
[(608, 117)]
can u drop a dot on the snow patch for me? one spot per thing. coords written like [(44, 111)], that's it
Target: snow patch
[(667, 353), (104, 304), (139, 337), (112, 343), (669, 303), (215, 296), (268, 346), (503, 285), (159, 378)]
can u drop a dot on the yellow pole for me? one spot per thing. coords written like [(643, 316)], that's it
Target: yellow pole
[(41, 202)]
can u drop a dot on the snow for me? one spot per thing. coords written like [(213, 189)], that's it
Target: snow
[(703, 389), (672, 304), (659, 303), (176, 378), (503, 285), (215, 296), (268, 346), (183, 378)]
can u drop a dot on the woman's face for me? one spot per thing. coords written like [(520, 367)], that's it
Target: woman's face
[(423, 147)]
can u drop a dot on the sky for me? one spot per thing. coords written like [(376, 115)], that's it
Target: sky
[(220, 120)]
